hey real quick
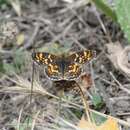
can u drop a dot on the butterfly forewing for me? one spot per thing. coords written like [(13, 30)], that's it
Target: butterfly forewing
[(44, 58), (52, 68), (82, 56)]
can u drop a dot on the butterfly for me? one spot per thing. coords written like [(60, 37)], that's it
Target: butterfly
[(63, 67)]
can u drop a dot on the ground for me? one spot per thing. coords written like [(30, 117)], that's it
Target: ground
[(59, 27)]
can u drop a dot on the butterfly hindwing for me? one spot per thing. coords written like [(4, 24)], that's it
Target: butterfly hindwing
[(73, 71)]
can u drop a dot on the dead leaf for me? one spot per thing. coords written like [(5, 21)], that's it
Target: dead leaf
[(20, 39), (119, 57), (109, 124), (86, 81)]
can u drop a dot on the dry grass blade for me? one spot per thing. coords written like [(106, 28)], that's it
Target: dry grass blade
[(24, 87), (18, 123), (34, 120), (16, 5), (86, 106)]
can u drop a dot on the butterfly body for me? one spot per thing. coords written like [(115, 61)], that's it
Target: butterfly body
[(63, 67)]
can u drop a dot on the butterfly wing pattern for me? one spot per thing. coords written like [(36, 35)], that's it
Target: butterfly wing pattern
[(43, 58), (61, 67), (82, 57), (50, 63)]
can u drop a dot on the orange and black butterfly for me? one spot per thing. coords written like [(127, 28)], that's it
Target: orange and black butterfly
[(63, 67)]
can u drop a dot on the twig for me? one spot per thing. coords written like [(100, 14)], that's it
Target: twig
[(120, 85), (78, 43), (96, 112), (106, 98), (32, 38), (114, 99), (106, 81), (6, 52), (123, 114), (70, 124), (99, 19), (79, 106), (62, 34)]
